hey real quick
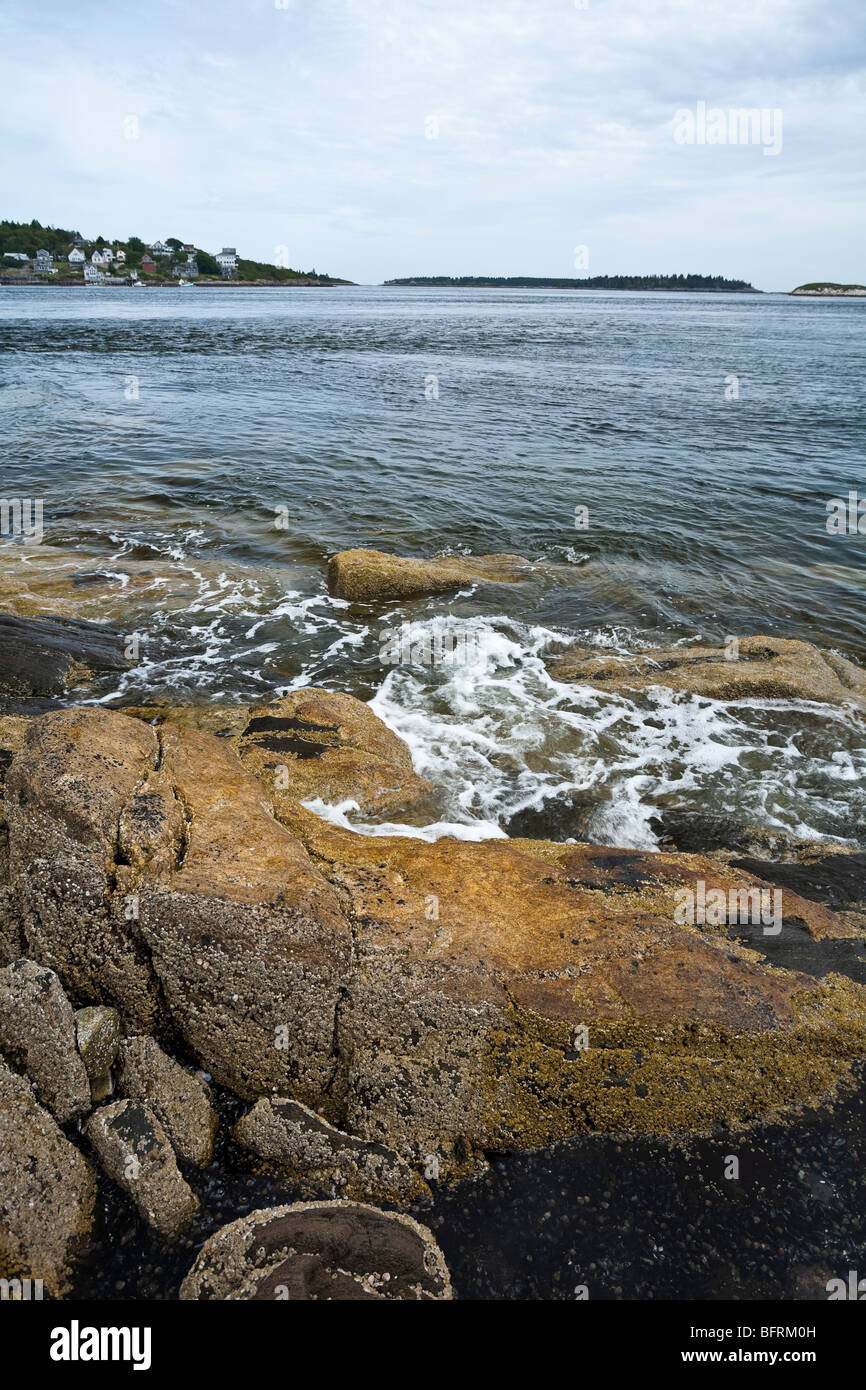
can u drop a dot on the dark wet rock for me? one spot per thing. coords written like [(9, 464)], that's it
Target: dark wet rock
[(47, 656), (179, 1099), (37, 1037), (836, 879), (313, 1251), (47, 1190), (135, 1152), (322, 1160), (369, 575)]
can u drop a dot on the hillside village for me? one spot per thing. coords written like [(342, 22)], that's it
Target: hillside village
[(33, 254)]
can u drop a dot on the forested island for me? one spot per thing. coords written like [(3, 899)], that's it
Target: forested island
[(589, 282)]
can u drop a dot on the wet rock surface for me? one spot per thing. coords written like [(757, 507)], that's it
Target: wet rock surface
[(323, 1161), (364, 576), (326, 1250), (135, 1152), (47, 1190), (179, 1099), (46, 656), (37, 1037), (765, 667), (312, 745)]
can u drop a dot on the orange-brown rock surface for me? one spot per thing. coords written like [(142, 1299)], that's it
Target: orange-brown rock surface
[(365, 576), (439, 998), (763, 667)]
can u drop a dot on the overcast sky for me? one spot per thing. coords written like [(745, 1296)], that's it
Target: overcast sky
[(378, 138)]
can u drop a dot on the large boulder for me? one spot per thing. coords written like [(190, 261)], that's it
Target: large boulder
[(320, 1251), (438, 999), (366, 576), (47, 1190), (772, 668)]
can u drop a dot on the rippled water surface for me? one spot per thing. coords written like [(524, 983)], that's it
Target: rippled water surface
[(168, 430)]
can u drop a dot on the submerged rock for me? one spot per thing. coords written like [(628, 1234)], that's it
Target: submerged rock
[(37, 1036), (47, 1190), (180, 1100), (322, 1160), (364, 576), (438, 999), (134, 1150), (771, 668), (321, 1250)]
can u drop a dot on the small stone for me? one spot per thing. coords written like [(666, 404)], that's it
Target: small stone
[(98, 1033), (180, 1099), (135, 1152), (37, 1037)]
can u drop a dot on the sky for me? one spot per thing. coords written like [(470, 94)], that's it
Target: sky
[(373, 139)]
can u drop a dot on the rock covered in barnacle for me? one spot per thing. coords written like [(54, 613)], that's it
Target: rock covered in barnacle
[(320, 1250)]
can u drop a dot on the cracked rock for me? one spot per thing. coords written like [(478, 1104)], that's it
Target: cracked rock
[(179, 1099)]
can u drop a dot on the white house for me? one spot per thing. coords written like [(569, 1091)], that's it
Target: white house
[(77, 256), (227, 260), (119, 256), (98, 257), (43, 262), (93, 275), (159, 248), (20, 256)]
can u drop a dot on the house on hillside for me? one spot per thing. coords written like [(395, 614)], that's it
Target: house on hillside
[(118, 256), (185, 270), (43, 263), (159, 248), (98, 257), (77, 257), (19, 256), (227, 260), (92, 274), (148, 264)]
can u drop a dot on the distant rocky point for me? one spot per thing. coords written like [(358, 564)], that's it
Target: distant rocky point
[(828, 287)]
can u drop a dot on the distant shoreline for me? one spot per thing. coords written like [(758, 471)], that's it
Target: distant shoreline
[(67, 284), (680, 284)]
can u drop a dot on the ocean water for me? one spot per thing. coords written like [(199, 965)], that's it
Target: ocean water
[(200, 453)]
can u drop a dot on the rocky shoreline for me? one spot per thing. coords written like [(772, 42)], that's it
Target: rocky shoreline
[(191, 958)]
